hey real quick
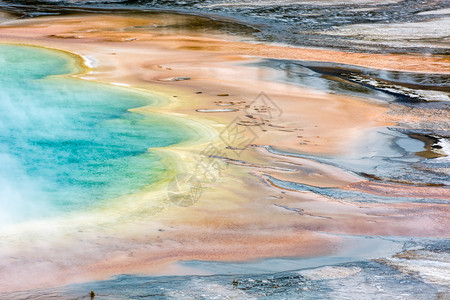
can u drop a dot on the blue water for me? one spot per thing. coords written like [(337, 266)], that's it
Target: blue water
[(349, 279), (67, 144)]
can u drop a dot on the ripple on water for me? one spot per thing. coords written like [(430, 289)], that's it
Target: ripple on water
[(340, 25)]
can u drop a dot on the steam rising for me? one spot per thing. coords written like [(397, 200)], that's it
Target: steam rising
[(66, 144)]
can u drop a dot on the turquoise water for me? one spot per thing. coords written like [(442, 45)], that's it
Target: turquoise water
[(67, 144)]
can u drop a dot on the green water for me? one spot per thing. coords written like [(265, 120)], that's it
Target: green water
[(67, 144)]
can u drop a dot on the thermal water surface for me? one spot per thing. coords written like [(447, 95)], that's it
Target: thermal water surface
[(68, 144)]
